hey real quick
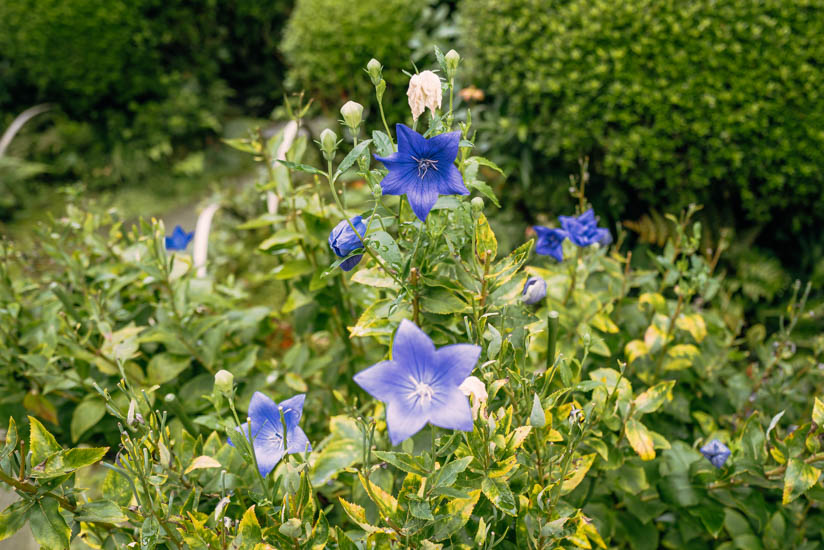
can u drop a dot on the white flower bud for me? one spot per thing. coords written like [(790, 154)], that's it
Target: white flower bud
[(224, 382), (352, 113), (328, 143), (424, 91), (374, 68), (452, 58)]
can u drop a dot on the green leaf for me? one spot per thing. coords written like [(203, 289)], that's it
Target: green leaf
[(752, 442), (243, 144), (249, 533), (386, 502), (117, 488), (13, 518), (448, 474), (711, 515), (280, 238), (87, 414), (353, 155), (164, 367), (386, 247), (498, 492), (798, 479), (11, 439), (301, 167), (344, 449), (484, 189), (383, 143), (48, 526), (455, 514), (101, 511), (652, 399), (41, 442), (580, 467), (403, 462), (293, 269), (421, 510), (67, 461), (486, 162), (442, 302)]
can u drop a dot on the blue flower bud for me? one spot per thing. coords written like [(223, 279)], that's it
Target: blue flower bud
[(534, 290), (344, 241), (716, 452)]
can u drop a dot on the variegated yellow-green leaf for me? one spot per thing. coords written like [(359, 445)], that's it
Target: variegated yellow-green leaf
[(640, 439), (42, 443), (374, 276), (485, 242), (694, 324), (635, 349), (657, 301), (798, 479), (603, 323), (386, 502), (680, 356), (249, 533), (655, 337), (498, 492), (202, 462), (818, 412), (652, 399), (580, 467), (457, 511)]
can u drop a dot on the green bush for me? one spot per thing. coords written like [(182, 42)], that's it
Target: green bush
[(327, 44), (674, 102)]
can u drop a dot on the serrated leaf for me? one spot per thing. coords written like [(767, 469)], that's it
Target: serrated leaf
[(249, 532), (456, 513), (383, 143), (11, 439), (498, 492), (448, 474), (48, 526), (403, 462), (13, 518), (64, 462), (387, 504), (41, 442)]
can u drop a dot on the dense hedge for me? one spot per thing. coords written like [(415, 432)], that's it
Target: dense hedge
[(136, 84), (705, 101), (327, 44)]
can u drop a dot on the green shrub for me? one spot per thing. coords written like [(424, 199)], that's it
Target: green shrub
[(675, 102), (327, 44)]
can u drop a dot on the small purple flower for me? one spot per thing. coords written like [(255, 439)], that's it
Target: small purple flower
[(550, 242), (267, 430), (583, 230), (421, 384), (344, 241), (179, 239), (716, 452), (534, 290), (422, 169)]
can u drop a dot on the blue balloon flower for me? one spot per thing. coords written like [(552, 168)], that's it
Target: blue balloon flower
[(422, 169), (420, 384), (550, 242), (534, 290), (179, 239), (716, 452), (344, 241), (583, 230), (267, 430)]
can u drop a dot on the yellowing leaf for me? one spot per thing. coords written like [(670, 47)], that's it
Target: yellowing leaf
[(603, 323), (42, 443), (640, 439), (658, 303), (202, 462), (694, 324), (485, 242), (654, 338), (680, 356), (798, 479), (652, 399), (580, 467), (635, 349), (374, 276), (818, 412), (457, 511), (387, 504)]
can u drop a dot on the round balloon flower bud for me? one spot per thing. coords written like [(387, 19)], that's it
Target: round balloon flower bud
[(452, 58), (224, 382), (352, 113), (477, 204), (328, 143), (374, 68)]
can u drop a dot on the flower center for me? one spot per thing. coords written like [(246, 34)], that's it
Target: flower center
[(422, 392), (424, 165)]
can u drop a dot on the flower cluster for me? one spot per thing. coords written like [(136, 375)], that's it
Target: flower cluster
[(582, 230)]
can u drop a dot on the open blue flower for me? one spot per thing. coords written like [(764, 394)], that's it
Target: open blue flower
[(344, 241), (716, 452), (179, 239), (267, 430), (421, 384), (583, 230), (534, 290), (422, 169), (550, 242)]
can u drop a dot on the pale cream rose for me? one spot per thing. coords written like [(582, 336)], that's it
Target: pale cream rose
[(424, 91)]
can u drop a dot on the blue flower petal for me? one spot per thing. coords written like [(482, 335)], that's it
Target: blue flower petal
[(550, 242), (451, 410), (292, 410), (422, 197), (455, 363), (385, 380), (297, 441), (413, 349), (349, 263), (261, 408), (402, 421), (444, 148)]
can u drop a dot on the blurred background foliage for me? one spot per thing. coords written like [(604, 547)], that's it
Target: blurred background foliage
[(717, 103)]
